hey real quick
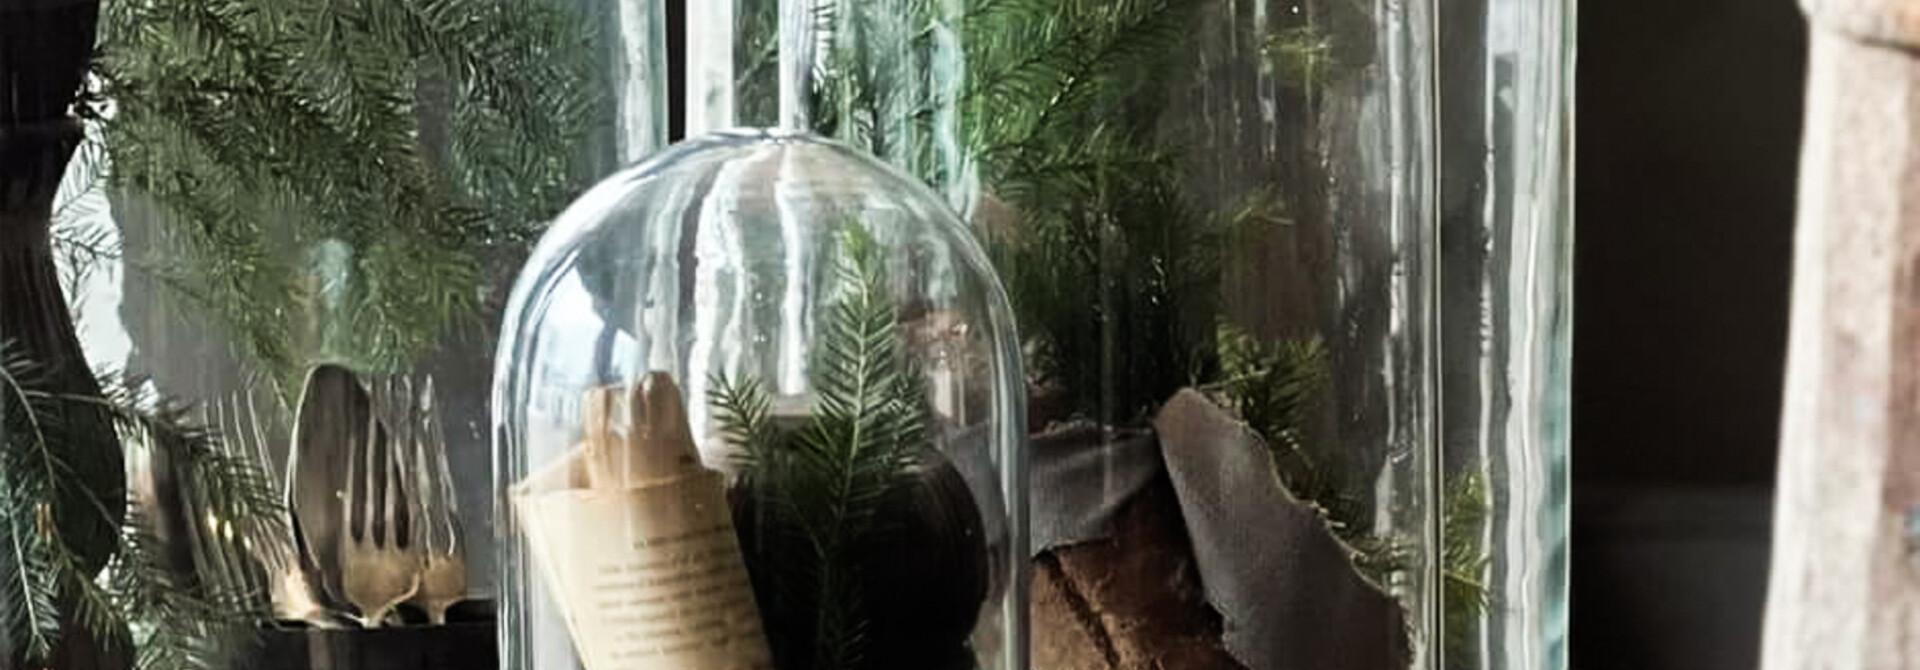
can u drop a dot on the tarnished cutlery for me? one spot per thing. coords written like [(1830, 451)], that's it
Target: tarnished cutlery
[(380, 552), (249, 431), (330, 425), (227, 565), (373, 495), (443, 577)]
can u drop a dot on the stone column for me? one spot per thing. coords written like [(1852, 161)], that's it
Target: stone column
[(1845, 589)]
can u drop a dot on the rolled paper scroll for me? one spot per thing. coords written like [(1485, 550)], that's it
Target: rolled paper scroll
[(636, 542)]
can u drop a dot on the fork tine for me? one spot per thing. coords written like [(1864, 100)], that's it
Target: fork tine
[(207, 523), (260, 553), (261, 452), (370, 482), (416, 495), (400, 410), (392, 505), (396, 463), (233, 564), (381, 555), (446, 495), (217, 566), (399, 442), (423, 500), (350, 503), (276, 554), (443, 573), (240, 566), (223, 412), (203, 559), (189, 500), (427, 503)]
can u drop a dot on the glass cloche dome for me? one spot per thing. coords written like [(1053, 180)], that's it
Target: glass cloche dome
[(759, 404)]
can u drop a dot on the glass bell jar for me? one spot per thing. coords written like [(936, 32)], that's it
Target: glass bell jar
[(759, 404), (1292, 284), (1291, 278)]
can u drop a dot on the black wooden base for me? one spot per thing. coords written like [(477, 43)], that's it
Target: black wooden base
[(466, 643)]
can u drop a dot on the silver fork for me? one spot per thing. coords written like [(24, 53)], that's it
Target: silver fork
[(380, 565), (230, 577), (290, 590), (443, 577), (228, 563)]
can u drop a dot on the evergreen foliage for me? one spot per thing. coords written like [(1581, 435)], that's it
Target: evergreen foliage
[(1464, 562), (1062, 106), (1271, 385), (1301, 55), (756, 48), (1065, 108), (173, 620), (1058, 109), (820, 487), (82, 242), (408, 134), (412, 133), (880, 63)]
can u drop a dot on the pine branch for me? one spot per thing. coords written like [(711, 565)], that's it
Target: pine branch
[(28, 426), (820, 488), (757, 51), (89, 604), (81, 246), (1271, 386), (45, 582), (264, 129), (743, 411), (1052, 111), (1062, 114), (235, 487), (43, 502), (81, 241), (31, 585), (53, 454), (1464, 563), (1300, 56), (1048, 72), (179, 625)]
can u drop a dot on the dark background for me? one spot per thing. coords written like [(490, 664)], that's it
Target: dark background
[(1688, 129)]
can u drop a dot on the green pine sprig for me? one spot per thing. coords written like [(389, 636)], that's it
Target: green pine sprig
[(140, 598), (819, 487), (1466, 505), (414, 133), (1057, 112), (1062, 115), (1271, 386)]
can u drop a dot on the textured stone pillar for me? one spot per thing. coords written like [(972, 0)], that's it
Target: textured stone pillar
[(1845, 589)]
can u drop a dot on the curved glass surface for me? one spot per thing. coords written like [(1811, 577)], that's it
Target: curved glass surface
[(844, 354), (1291, 279), (1216, 222), (1507, 290)]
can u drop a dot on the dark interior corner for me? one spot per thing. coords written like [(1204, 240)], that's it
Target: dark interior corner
[(1689, 124)]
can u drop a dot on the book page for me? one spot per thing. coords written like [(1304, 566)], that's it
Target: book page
[(650, 578)]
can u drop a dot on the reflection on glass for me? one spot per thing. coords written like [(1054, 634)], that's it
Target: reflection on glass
[(844, 361), (1506, 240), (1216, 223)]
